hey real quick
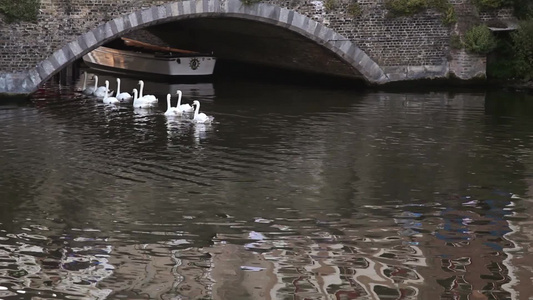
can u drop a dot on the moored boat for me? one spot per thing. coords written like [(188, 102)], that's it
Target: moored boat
[(136, 57)]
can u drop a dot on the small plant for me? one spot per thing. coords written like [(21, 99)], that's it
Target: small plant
[(479, 40), (330, 5), (405, 7), (354, 9), (448, 16), (20, 10)]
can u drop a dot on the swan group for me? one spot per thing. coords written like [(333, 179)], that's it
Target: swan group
[(101, 91), (181, 109), (141, 101)]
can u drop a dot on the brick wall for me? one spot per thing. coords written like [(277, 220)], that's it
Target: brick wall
[(419, 42)]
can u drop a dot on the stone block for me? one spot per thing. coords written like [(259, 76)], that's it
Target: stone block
[(132, 18), (90, 39), (285, 17), (35, 77), (229, 6), (75, 48), (213, 6), (107, 31), (161, 13), (181, 9), (297, 21), (147, 16), (186, 7), (60, 57), (192, 5)]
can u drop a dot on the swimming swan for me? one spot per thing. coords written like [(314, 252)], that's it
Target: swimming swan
[(124, 96), (107, 99), (86, 90), (141, 103), (149, 98), (187, 108), (171, 111), (198, 116), (101, 91)]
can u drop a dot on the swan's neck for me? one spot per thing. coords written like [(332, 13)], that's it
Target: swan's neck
[(168, 103), (84, 80), (134, 95), (141, 89), (95, 82), (179, 99), (118, 86), (196, 110), (106, 89)]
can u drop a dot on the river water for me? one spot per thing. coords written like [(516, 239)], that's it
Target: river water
[(293, 192)]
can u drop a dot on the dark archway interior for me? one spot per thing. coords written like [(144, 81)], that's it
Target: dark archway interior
[(253, 48)]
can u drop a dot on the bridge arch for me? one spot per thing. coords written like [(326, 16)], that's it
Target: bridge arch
[(175, 11)]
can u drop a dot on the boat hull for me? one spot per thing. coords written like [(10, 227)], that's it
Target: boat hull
[(122, 61)]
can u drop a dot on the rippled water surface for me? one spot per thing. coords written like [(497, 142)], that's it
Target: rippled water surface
[(292, 193)]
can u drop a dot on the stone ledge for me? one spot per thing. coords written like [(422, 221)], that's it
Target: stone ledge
[(19, 83), (405, 73)]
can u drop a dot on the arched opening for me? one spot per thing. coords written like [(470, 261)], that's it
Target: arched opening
[(228, 27)]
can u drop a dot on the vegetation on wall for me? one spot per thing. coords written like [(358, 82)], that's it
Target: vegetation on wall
[(330, 5), (523, 9), (398, 8), (19, 10), (523, 48), (479, 39), (354, 9), (492, 4)]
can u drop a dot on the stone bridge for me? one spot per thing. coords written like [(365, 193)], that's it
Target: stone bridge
[(314, 36)]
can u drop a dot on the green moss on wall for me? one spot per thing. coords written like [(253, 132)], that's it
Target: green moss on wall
[(398, 8), (479, 39), (354, 9), (330, 5), (19, 10)]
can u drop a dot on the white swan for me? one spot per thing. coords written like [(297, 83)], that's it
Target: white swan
[(101, 91), (171, 111), (198, 116), (107, 99), (124, 96), (140, 102), (85, 89), (150, 98), (187, 108)]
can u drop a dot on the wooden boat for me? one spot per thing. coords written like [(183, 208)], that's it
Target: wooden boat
[(136, 57)]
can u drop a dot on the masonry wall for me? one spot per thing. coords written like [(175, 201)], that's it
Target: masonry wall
[(418, 40), (404, 48)]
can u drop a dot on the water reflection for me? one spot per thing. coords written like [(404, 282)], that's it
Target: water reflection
[(293, 193)]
